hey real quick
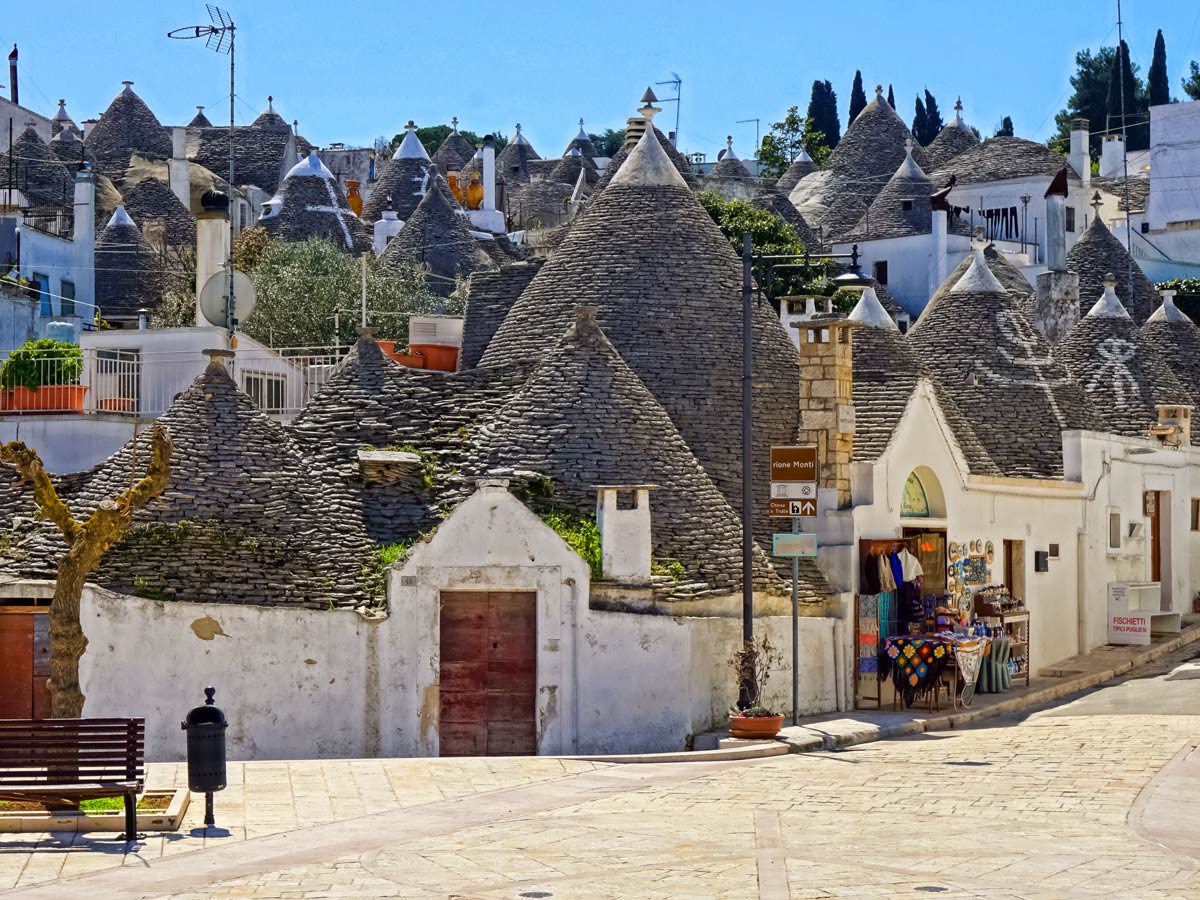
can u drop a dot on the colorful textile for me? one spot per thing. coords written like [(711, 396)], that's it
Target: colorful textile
[(897, 569), (915, 664), (887, 624)]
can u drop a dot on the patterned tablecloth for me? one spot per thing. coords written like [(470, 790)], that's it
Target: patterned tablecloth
[(916, 662)]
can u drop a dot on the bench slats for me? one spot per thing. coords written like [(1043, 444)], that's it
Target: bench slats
[(62, 758)]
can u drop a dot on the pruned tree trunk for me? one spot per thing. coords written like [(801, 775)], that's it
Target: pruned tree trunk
[(87, 542)]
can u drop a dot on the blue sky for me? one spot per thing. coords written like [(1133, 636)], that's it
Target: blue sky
[(352, 72)]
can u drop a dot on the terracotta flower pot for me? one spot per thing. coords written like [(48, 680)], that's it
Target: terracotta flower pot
[(755, 727), (47, 398), (412, 360), (442, 357)]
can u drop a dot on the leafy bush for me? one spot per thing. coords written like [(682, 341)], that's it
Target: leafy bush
[(581, 535), (374, 573), (43, 361)]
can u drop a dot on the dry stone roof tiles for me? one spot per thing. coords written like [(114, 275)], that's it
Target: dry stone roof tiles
[(70, 149), (151, 199), (901, 209), (311, 205), (403, 182), (1009, 276), (730, 166), (438, 237), (677, 158), (1122, 375), (667, 286), (949, 143), (584, 418), (1097, 253), (129, 273), (268, 118), (801, 166), (1139, 190), (540, 204), (886, 371), (1004, 159), (778, 203), (245, 518), (199, 120), (261, 155), (513, 162), (127, 127), (1175, 340), (489, 299), (37, 172), (454, 152), (1013, 399)]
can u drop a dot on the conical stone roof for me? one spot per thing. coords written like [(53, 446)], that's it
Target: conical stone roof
[(730, 165), (37, 172), (1099, 252), (151, 199), (70, 149), (126, 127), (780, 205), (886, 371), (801, 166), (901, 209), (454, 153), (512, 163), (310, 204), (949, 143), (438, 237), (1015, 400), (1003, 158), (582, 143), (677, 159), (1123, 377), (667, 287), (199, 120), (1015, 284), (61, 119), (1175, 340), (584, 418), (268, 118), (489, 298), (246, 516), (129, 273), (403, 181)]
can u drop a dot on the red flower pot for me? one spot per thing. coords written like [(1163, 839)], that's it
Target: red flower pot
[(760, 727), (47, 398), (442, 357)]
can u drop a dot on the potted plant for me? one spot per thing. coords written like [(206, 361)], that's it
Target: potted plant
[(43, 376), (752, 664)]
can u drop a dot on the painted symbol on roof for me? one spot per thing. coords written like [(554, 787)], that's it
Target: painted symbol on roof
[(1113, 370)]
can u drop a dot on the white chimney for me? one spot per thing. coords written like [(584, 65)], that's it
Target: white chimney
[(1112, 156), (938, 249), (489, 173), (83, 239), (212, 242), (1080, 156), (386, 228), (624, 532), (178, 168)]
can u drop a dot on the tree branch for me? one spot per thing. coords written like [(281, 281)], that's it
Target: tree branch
[(29, 466), (158, 473)]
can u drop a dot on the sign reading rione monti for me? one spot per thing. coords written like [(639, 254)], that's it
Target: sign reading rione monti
[(793, 464)]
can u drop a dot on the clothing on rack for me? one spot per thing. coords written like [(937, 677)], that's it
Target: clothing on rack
[(870, 575), (897, 569), (887, 581), (910, 566)]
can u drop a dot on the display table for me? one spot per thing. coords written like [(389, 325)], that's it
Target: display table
[(916, 664)]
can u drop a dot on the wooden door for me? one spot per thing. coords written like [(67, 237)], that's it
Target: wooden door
[(24, 663), (1151, 504), (488, 682)]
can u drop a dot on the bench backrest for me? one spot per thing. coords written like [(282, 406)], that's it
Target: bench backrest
[(72, 751)]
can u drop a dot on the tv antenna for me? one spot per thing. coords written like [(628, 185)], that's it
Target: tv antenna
[(219, 37), (676, 82), (757, 139)]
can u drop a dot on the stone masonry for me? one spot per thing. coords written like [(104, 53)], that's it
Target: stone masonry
[(827, 401)]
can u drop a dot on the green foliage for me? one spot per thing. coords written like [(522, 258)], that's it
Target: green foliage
[(783, 143), (933, 118), (1127, 101), (1090, 98), (822, 110), (752, 664), (1185, 286), (670, 567), (920, 122), (44, 361), (248, 248), (1005, 128), (374, 574), (858, 99), (769, 234), (891, 98), (431, 138), (1191, 81), (580, 534), (300, 286), (608, 141), (1158, 85)]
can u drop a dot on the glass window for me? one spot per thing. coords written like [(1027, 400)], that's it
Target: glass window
[(1195, 514), (42, 283), (1114, 531), (67, 301), (881, 272), (1070, 218), (266, 390)]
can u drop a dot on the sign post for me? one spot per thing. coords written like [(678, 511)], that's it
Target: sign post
[(793, 495)]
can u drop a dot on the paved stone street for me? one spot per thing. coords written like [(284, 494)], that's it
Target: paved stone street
[(1094, 798)]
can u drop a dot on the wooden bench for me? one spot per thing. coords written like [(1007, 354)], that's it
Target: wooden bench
[(68, 760)]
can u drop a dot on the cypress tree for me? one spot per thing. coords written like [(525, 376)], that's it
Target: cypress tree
[(1159, 86), (822, 109), (1123, 89), (933, 118), (920, 123), (891, 98), (858, 99), (1006, 127)]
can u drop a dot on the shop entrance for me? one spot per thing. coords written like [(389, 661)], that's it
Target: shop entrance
[(1014, 569), (24, 663), (488, 670), (1158, 525)]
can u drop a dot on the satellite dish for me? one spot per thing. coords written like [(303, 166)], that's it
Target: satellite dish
[(212, 297)]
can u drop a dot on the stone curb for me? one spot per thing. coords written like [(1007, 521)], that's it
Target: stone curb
[(815, 740)]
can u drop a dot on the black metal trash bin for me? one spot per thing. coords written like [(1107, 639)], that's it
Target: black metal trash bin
[(205, 727)]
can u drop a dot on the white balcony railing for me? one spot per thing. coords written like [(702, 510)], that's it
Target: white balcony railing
[(144, 384)]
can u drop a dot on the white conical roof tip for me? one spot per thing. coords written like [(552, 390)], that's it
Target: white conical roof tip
[(1109, 306), (869, 311), (120, 217), (311, 165), (978, 277), (1168, 312), (411, 147), (648, 164)]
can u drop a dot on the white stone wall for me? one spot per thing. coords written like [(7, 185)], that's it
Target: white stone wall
[(1174, 165), (908, 260)]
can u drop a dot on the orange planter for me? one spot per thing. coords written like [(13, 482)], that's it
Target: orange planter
[(751, 727), (47, 398), (442, 357), (388, 347), (412, 360)]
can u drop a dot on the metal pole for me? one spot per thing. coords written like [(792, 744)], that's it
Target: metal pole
[(1124, 159), (230, 305), (364, 290), (209, 818), (747, 450), (795, 630)]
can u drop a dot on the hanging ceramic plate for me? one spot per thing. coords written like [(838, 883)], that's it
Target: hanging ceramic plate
[(953, 551), (989, 551), (975, 548)]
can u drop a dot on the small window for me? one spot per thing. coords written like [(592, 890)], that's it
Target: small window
[(881, 271), (1114, 530), (1145, 228), (67, 303), (1070, 218), (1053, 551), (1195, 514), (906, 205), (266, 390)]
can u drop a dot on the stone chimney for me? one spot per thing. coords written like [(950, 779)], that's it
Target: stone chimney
[(1174, 426), (179, 169), (1080, 156), (1056, 306), (13, 94), (83, 238), (212, 243), (827, 400), (1112, 156), (623, 519)]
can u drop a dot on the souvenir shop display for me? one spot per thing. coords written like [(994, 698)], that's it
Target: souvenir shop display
[(996, 607)]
